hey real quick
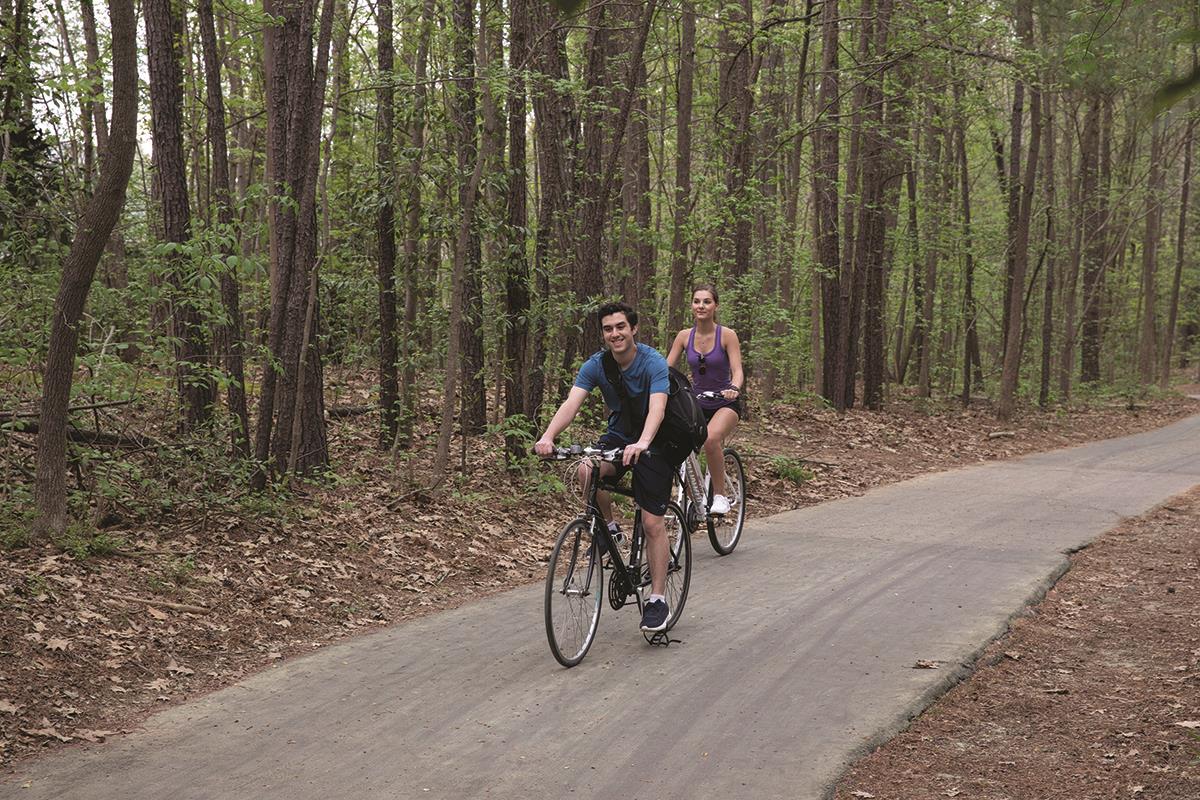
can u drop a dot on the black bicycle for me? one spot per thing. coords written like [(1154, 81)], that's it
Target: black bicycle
[(585, 549)]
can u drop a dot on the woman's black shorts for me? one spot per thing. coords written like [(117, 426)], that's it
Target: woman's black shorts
[(736, 405)]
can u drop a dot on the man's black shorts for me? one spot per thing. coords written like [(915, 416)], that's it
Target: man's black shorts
[(652, 474)]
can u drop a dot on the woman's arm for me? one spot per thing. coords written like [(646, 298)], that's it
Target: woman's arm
[(733, 351), (677, 347)]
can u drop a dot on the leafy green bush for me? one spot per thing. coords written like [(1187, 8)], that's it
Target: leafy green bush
[(791, 469)]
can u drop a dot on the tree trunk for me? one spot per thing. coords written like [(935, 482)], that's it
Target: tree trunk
[(1051, 253), (596, 174), (412, 235), (114, 271), (1020, 246), (230, 332), (970, 313), (516, 279), (1092, 224), (294, 101), (557, 138), (463, 102), (385, 231), (78, 271), (678, 300), (1066, 365), (825, 196), (1180, 240), (1155, 187), (880, 195), (936, 202), (164, 29)]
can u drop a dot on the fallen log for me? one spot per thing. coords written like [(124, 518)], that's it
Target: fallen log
[(85, 436), (162, 604), (9, 416), (338, 412)]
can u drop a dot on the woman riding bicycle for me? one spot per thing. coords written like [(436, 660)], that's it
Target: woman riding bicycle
[(715, 357)]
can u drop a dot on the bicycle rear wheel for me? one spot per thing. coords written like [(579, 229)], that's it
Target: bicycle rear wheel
[(725, 532), (574, 590), (679, 563)]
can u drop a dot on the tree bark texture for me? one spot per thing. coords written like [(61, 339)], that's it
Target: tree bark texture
[(679, 298), (229, 333), (385, 230), (1189, 137), (516, 276), (1093, 209), (825, 197), (1155, 188), (79, 269), (295, 98), (164, 30), (464, 103)]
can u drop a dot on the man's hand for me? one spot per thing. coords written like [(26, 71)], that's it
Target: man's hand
[(543, 446), (633, 452)]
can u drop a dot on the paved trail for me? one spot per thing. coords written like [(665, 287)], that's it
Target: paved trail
[(797, 653)]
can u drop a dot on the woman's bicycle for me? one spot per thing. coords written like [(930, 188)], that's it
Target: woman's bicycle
[(694, 493), (585, 549)]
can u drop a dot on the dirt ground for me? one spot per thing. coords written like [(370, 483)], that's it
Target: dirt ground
[(194, 600), (1095, 693)]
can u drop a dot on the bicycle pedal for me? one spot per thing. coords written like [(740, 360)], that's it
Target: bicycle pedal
[(662, 639)]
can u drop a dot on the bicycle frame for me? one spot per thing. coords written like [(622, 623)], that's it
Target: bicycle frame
[(600, 533)]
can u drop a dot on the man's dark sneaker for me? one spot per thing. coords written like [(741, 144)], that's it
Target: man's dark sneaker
[(654, 616)]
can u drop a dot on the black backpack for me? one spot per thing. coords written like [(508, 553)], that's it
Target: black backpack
[(683, 426)]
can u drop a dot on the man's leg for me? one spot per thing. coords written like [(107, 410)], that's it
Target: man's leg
[(603, 498), (658, 551)]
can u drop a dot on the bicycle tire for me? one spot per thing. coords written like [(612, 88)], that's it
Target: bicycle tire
[(574, 593), (679, 562), (725, 532)]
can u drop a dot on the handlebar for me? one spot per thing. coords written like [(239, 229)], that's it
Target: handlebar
[(577, 451), (712, 395)]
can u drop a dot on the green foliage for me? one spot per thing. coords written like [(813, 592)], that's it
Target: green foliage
[(81, 541), (791, 469)]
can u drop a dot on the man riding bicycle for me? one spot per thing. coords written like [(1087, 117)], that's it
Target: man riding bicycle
[(646, 382)]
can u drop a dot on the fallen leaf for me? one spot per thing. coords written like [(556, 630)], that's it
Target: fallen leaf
[(93, 736), (178, 670), (47, 731), (1013, 654), (1191, 723), (925, 663), (955, 792), (861, 793), (7, 707), (58, 644), (154, 612), (158, 684)]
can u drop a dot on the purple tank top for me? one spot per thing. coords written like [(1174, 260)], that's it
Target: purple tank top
[(716, 376)]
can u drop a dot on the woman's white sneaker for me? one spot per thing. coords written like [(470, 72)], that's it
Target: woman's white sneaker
[(719, 505)]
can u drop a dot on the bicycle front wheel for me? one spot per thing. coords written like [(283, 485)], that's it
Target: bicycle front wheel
[(725, 532), (574, 590)]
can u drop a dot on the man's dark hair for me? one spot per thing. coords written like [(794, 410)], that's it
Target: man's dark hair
[(617, 308)]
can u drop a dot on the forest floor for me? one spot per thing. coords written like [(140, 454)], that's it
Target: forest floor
[(180, 604)]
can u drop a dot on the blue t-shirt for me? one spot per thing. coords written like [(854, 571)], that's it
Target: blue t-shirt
[(646, 375)]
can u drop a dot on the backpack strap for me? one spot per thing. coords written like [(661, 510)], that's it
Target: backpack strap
[(612, 372)]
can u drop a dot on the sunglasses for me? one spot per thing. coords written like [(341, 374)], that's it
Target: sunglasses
[(702, 368)]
